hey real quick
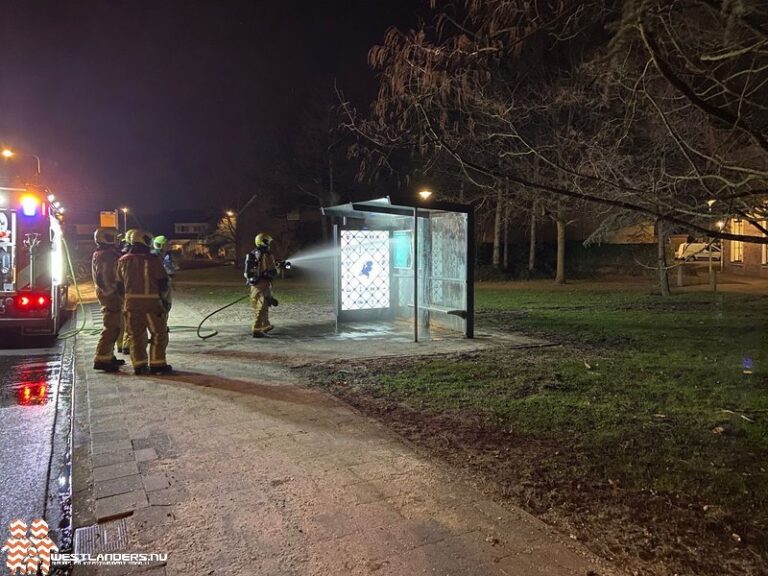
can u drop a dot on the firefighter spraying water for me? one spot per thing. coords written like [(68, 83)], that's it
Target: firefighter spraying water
[(259, 271)]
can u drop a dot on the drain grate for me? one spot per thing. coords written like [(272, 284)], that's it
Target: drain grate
[(100, 538)]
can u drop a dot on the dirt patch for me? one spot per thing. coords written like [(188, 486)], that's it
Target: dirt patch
[(646, 532)]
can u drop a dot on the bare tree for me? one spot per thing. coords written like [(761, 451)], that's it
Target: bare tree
[(489, 84)]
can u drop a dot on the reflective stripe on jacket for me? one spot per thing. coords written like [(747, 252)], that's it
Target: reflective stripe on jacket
[(143, 279)]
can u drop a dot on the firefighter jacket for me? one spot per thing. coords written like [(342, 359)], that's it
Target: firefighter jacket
[(104, 271), (260, 267), (143, 280), (167, 259)]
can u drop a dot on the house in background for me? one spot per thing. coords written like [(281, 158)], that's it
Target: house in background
[(188, 240), (186, 231), (744, 258)]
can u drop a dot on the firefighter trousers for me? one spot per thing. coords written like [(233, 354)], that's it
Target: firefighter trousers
[(112, 318), (156, 321), (261, 296), (124, 341)]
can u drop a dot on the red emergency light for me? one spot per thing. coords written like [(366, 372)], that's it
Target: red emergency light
[(32, 301)]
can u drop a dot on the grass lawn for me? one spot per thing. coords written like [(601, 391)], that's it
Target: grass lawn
[(641, 422), (223, 284)]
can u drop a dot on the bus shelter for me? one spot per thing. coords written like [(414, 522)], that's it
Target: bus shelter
[(409, 266)]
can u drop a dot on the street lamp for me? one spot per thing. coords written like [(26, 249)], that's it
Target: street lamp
[(425, 194), (8, 154), (720, 225), (712, 277), (124, 210)]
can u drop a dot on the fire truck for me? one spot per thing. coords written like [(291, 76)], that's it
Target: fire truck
[(33, 288)]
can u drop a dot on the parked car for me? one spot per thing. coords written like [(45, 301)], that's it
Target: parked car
[(692, 251)]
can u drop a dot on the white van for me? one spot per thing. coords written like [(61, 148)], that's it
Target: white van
[(692, 251)]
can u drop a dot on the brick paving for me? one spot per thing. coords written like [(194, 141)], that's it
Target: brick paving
[(232, 467)]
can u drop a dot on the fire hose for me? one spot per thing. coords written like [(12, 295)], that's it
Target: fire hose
[(215, 332), (81, 308)]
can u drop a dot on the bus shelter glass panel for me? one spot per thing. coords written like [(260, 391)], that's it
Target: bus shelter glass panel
[(446, 287)]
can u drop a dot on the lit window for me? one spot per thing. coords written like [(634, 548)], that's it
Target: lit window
[(764, 260), (737, 248)]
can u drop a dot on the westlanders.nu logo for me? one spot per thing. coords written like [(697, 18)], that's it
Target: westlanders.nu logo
[(26, 554), (111, 559), (34, 553)]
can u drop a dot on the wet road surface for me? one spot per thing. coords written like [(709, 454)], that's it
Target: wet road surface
[(30, 386)]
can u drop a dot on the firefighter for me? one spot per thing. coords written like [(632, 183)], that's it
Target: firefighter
[(158, 248), (145, 285), (104, 271), (124, 341), (260, 268)]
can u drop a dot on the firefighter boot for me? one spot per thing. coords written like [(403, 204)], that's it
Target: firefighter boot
[(166, 370), (106, 366)]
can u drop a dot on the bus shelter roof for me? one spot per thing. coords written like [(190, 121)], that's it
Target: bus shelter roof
[(383, 206)]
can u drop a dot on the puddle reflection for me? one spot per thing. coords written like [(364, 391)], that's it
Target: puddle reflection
[(28, 382)]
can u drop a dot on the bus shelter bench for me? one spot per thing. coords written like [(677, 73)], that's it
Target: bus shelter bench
[(444, 309)]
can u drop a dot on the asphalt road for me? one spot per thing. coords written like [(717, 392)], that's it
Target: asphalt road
[(31, 454)]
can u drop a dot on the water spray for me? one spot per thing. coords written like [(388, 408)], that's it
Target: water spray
[(304, 260)]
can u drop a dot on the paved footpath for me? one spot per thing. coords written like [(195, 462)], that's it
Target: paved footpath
[(232, 467)]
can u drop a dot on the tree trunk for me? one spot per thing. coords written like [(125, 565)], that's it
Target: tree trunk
[(560, 275), (532, 240), (325, 223), (497, 230), (661, 257), (506, 235)]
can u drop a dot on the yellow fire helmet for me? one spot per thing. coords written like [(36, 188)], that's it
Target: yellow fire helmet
[(129, 235), (105, 236), (141, 237), (159, 242), (263, 240)]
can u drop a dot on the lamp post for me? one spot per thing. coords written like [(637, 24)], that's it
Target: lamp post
[(720, 225), (124, 210), (712, 278), (230, 233), (8, 154)]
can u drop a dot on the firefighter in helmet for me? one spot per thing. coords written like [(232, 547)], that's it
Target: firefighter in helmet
[(158, 248), (104, 271), (260, 268), (145, 285), (165, 257), (124, 340)]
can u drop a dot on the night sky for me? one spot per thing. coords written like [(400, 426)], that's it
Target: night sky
[(168, 104)]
